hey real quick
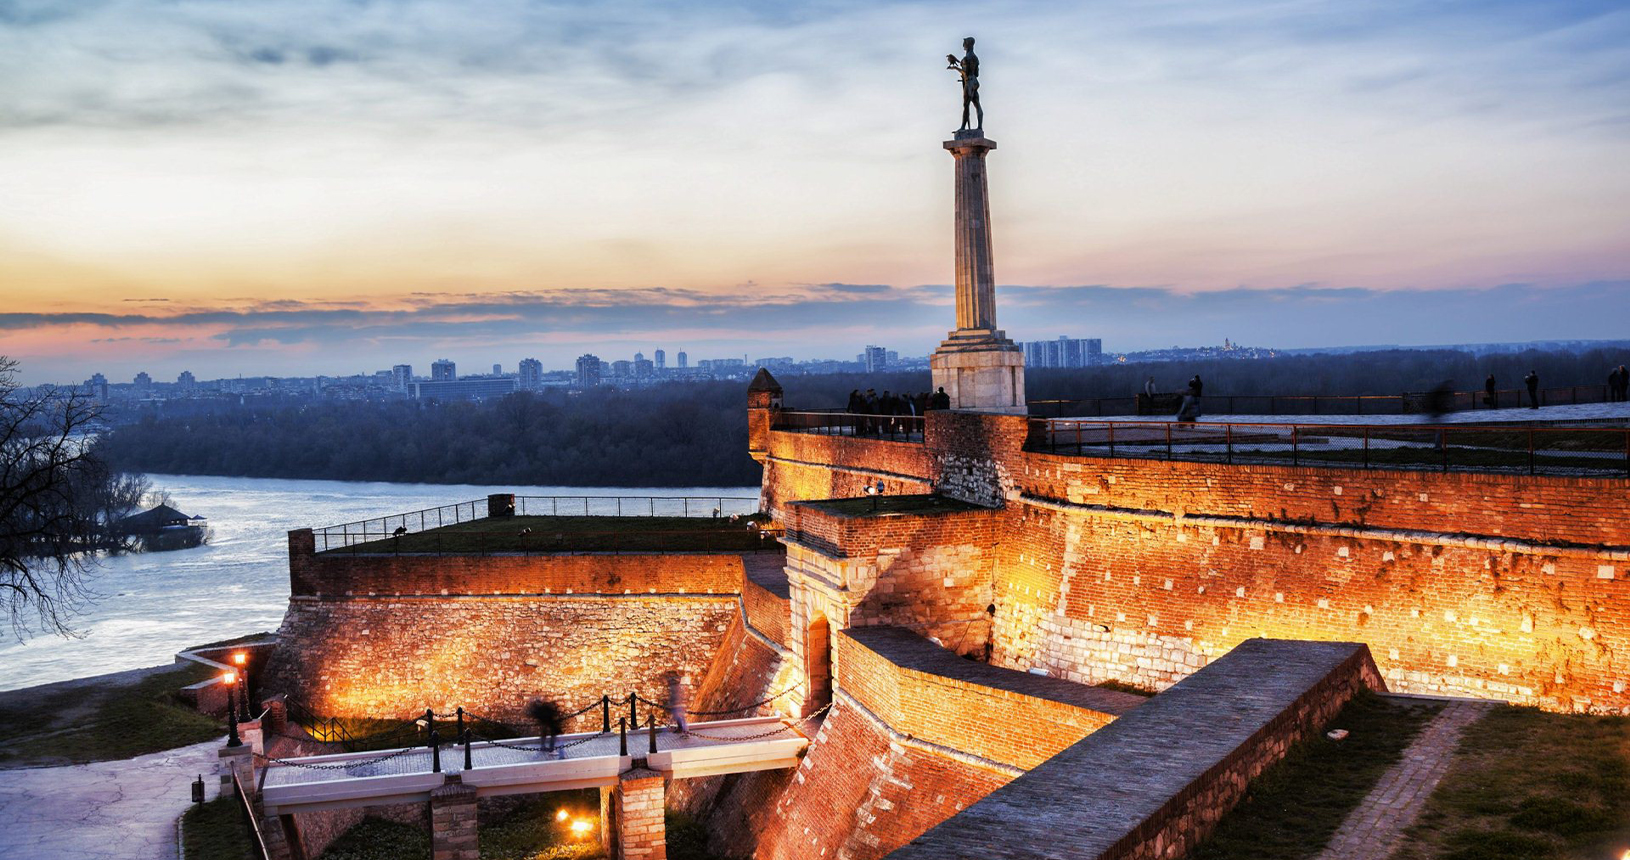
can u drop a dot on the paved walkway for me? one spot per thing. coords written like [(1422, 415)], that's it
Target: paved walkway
[(1376, 828), (111, 810)]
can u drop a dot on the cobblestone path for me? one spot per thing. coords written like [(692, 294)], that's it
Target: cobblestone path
[(1376, 828), (110, 810)]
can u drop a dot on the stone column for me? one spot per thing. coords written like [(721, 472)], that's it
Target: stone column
[(979, 368), (453, 833), (641, 799)]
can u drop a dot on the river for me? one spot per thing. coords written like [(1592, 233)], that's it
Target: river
[(147, 606)]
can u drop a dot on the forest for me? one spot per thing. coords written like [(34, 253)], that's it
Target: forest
[(695, 434)]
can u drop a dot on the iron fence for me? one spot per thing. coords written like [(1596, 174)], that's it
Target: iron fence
[(533, 540), (1407, 403), (892, 428), (1481, 448), (396, 526)]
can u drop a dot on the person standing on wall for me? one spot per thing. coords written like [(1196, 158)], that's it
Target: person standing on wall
[(1532, 381), (1624, 383), (1490, 398)]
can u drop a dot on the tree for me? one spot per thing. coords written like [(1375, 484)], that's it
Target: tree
[(57, 499)]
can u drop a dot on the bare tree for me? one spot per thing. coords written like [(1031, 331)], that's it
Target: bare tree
[(56, 497)]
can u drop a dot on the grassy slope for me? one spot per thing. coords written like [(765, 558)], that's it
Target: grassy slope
[(1291, 810), (216, 831), (102, 722), (1531, 785)]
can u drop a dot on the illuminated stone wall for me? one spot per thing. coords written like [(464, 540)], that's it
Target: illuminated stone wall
[(810, 466), (1509, 587)]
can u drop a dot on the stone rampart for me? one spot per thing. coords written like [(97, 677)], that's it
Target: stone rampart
[(812, 466), (1154, 783), (1465, 584)]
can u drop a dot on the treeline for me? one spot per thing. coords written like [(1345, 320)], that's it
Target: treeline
[(695, 434), (671, 436)]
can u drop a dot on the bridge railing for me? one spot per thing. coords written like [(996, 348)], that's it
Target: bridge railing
[(391, 526), (891, 428), (1481, 448), (1405, 403)]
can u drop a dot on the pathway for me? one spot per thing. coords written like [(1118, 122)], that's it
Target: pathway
[(111, 810), (1376, 828)]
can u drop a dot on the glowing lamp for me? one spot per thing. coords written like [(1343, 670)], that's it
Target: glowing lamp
[(581, 827), (561, 815), (230, 678), (239, 658)]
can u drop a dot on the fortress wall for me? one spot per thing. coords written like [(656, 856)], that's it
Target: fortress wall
[(1105, 583), (766, 611), (338, 574), (395, 656), (810, 466)]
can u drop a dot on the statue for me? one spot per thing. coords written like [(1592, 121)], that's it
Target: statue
[(968, 66)]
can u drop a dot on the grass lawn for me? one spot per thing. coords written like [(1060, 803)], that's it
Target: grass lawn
[(1531, 785), (1291, 810), (102, 722), (580, 534), (380, 839), (216, 831), (532, 830)]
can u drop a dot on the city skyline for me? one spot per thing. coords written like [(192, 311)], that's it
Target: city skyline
[(202, 187)]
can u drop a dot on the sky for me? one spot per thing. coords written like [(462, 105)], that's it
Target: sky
[(291, 187)]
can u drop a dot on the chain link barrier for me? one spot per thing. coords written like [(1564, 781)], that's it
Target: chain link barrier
[(344, 765), (775, 731)]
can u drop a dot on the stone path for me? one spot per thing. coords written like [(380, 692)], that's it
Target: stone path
[(111, 810), (1376, 828)]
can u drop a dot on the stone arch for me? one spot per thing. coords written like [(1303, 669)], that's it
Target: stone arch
[(818, 663)]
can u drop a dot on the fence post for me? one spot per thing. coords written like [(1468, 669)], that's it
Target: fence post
[(622, 736), (1443, 446), (1295, 446), (435, 751), (1168, 440), (1078, 437), (468, 765), (1229, 437), (605, 713), (1366, 447), (633, 715), (1111, 439), (651, 725)]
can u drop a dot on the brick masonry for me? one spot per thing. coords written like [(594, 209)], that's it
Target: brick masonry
[(453, 832), (1153, 784), (640, 802)]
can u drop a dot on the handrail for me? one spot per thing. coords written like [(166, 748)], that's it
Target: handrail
[(1403, 403), (1445, 447), (246, 805), (892, 428), (543, 542)]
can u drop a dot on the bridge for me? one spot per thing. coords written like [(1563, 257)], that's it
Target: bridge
[(629, 768)]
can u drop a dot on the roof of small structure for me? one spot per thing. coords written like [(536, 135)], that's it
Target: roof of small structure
[(763, 381), (156, 516)]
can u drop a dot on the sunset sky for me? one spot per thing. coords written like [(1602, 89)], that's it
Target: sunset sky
[(291, 187)]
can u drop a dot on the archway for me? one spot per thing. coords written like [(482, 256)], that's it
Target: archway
[(818, 664)]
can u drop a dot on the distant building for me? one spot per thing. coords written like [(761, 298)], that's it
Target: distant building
[(470, 388), (530, 373), (97, 386), (442, 370), (498, 370), (1064, 352), (622, 368), (875, 358), (644, 368), (187, 381), (684, 360), (401, 377), (144, 382), (588, 370), (662, 361)]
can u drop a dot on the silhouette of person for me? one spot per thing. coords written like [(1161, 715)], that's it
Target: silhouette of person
[(678, 699), (1532, 381), (550, 722), (1489, 389)]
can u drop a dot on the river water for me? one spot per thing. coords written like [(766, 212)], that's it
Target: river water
[(150, 605)]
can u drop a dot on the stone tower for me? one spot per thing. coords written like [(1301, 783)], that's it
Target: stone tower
[(977, 365)]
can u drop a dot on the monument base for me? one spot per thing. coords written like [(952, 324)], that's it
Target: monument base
[(981, 371)]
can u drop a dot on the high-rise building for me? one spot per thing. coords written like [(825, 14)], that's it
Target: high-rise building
[(97, 385), (1064, 352), (876, 358), (622, 368), (530, 372), (497, 370), (644, 368), (639, 357), (662, 361), (442, 370), (401, 376), (588, 370), (187, 381), (684, 360), (144, 382)]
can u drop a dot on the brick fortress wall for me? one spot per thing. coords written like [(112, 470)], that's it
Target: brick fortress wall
[(388, 636)]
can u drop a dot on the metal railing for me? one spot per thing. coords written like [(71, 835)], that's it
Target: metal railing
[(528, 540), (1407, 403), (891, 428), (1478, 448), (347, 535)]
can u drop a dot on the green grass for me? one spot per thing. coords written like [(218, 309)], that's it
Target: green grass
[(1291, 810), (580, 534), (530, 831), (380, 839), (1531, 785), (103, 723), (687, 839), (216, 831)]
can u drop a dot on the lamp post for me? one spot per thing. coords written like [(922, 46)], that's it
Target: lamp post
[(240, 659), (231, 679)]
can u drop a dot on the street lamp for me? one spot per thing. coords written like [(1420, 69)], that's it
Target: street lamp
[(241, 660), (232, 740)]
